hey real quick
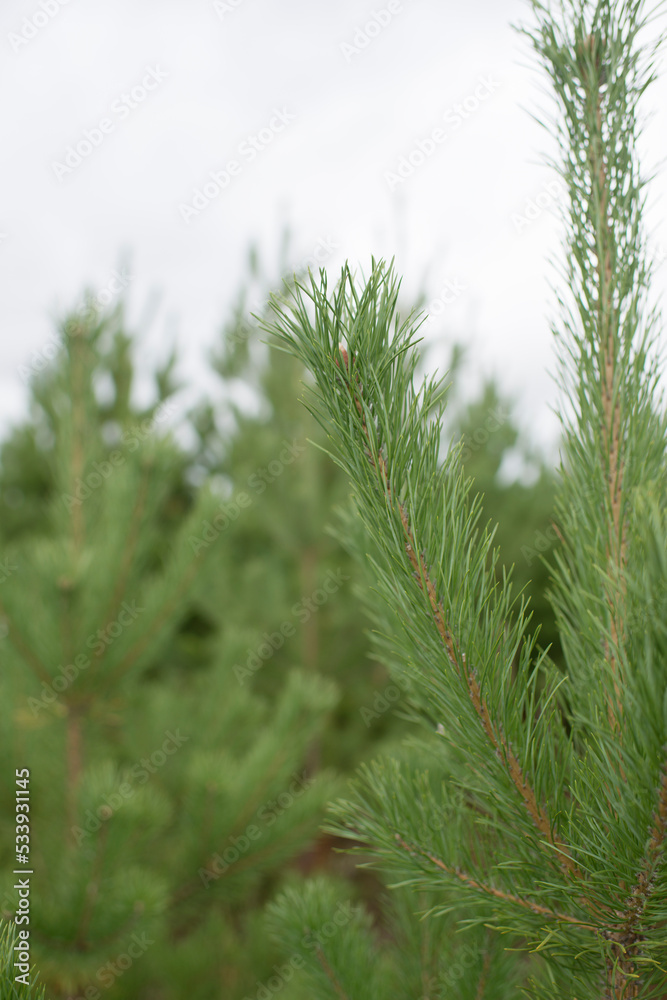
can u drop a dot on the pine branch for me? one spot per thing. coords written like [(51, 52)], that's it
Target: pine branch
[(483, 976), (160, 619), (622, 979), (456, 657), (129, 551), (24, 649), (656, 846), (260, 793), (456, 635), (73, 762), (92, 890), (491, 890), (330, 974), (77, 339), (616, 438), (250, 862), (607, 333)]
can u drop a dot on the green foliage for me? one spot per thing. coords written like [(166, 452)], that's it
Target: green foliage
[(320, 922), (279, 549), (146, 843), (399, 951), (160, 598), (523, 511), (9, 988), (425, 540), (545, 818), (166, 796)]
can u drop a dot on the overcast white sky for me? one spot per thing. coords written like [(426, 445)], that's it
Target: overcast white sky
[(332, 123)]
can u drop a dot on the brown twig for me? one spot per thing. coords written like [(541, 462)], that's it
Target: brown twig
[(458, 659), (92, 890), (129, 550), (616, 541), (250, 860), (490, 890), (330, 974), (249, 808), (74, 759), (24, 650), (162, 616), (484, 975), (622, 979), (78, 432)]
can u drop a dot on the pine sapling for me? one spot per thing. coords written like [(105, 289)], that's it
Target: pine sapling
[(548, 826)]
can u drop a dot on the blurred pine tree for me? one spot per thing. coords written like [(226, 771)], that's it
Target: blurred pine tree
[(165, 795)]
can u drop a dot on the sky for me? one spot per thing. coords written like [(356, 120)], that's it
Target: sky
[(148, 146)]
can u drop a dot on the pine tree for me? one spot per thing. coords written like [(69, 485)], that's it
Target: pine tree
[(166, 797), (282, 544), (543, 814), (250, 579)]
